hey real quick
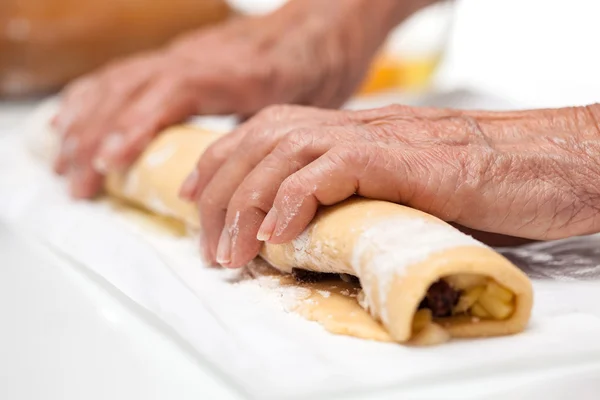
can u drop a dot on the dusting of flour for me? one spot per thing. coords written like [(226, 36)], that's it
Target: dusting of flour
[(265, 288), (309, 252), (157, 158), (388, 248)]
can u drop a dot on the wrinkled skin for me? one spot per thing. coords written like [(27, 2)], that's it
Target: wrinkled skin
[(526, 174), (499, 176), (309, 52)]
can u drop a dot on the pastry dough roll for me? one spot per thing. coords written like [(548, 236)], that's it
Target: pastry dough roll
[(154, 180), (397, 253)]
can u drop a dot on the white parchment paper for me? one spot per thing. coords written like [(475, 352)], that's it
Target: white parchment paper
[(244, 331)]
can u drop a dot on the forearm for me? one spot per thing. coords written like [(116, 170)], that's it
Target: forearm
[(393, 12), (556, 125), (534, 126), (554, 152), (544, 159)]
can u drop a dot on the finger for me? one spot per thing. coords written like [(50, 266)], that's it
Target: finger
[(216, 195), (282, 117), (167, 102), (78, 119), (254, 197), (341, 172), (121, 76), (94, 102), (214, 157), (257, 144), (75, 97), (85, 177), (67, 150), (84, 182), (210, 161)]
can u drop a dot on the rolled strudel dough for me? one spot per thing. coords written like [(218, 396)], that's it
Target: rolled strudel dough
[(397, 253)]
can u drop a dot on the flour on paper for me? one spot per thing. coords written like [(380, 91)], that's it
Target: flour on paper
[(333, 304)]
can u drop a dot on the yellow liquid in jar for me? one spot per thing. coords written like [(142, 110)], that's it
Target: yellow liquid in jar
[(392, 72)]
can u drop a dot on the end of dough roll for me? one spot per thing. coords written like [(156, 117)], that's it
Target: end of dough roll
[(398, 253)]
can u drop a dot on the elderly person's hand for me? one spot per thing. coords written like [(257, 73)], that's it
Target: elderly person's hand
[(530, 174), (310, 52)]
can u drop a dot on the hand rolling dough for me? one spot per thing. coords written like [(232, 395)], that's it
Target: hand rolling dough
[(397, 252)]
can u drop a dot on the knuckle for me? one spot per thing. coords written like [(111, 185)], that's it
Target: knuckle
[(475, 169), (300, 184), (297, 141), (272, 163), (256, 139), (292, 184), (258, 134), (248, 199), (212, 154), (345, 154)]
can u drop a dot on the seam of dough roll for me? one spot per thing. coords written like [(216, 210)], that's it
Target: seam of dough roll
[(396, 252)]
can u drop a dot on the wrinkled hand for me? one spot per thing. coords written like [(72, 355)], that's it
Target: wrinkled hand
[(523, 174), (309, 52)]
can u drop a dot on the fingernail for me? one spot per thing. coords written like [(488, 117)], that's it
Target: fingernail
[(188, 186), (99, 165), (224, 248), (265, 232)]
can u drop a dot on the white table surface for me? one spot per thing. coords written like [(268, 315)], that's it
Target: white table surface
[(65, 334)]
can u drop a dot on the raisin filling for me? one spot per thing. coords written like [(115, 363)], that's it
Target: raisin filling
[(306, 276), (440, 299)]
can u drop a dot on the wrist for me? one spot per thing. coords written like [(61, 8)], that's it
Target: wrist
[(372, 19), (377, 18), (390, 13)]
